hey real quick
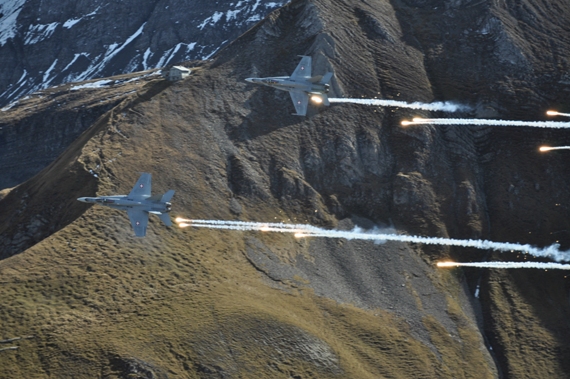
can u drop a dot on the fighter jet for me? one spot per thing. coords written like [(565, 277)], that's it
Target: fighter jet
[(138, 204), (301, 85)]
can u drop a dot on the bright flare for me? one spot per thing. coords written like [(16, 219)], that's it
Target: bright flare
[(479, 121), (447, 264), (548, 148), (554, 113), (317, 99), (180, 219), (506, 265)]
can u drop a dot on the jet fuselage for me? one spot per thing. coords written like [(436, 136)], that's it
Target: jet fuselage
[(302, 87), (284, 83), (124, 203)]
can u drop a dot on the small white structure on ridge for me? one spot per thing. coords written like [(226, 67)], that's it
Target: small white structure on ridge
[(176, 73)]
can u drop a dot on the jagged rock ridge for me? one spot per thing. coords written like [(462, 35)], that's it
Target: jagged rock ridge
[(46, 43)]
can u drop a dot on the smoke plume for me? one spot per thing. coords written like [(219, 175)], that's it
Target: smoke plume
[(305, 231), (504, 265), (437, 106)]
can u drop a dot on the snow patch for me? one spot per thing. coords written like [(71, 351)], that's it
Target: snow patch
[(255, 5), (45, 81), (97, 84), (69, 23), (8, 23), (75, 57), (253, 18), (230, 15), (21, 82), (169, 54), (38, 33), (212, 20), (111, 52), (146, 55)]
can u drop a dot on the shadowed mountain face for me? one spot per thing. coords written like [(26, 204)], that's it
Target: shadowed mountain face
[(48, 42), (210, 304)]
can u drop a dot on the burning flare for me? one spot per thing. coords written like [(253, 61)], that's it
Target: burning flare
[(448, 264), (554, 113), (479, 121), (506, 265), (548, 148)]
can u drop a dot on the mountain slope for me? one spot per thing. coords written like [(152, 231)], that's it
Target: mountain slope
[(207, 304), (46, 43)]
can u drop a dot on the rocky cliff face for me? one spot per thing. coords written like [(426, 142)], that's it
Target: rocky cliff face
[(216, 304), (46, 43)]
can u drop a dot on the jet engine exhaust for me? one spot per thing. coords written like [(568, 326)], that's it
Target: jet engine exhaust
[(305, 231), (437, 106), (482, 122), (507, 265)]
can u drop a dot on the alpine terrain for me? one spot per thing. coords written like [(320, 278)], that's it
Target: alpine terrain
[(82, 297)]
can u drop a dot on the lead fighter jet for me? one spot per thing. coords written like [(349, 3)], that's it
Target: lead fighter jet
[(138, 204), (300, 85)]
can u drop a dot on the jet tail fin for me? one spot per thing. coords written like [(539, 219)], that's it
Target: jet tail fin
[(326, 78), (325, 98), (167, 196), (165, 218)]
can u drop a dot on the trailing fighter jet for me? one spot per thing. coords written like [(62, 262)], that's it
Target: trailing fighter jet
[(138, 204), (301, 86)]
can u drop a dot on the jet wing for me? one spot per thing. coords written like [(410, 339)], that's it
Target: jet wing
[(142, 188), (139, 221), (303, 70), (300, 101)]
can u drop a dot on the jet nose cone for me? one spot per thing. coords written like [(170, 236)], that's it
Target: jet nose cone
[(250, 80), (82, 199)]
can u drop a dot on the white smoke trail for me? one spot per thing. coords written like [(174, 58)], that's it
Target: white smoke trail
[(504, 265), (478, 121), (304, 231), (554, 113), (244, 228), (548, 148), (251, 226), (548, 252), (437, 106)]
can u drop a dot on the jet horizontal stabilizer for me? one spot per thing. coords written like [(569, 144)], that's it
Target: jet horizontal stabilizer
[(167, 196), (326, 78), (165, 218)]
